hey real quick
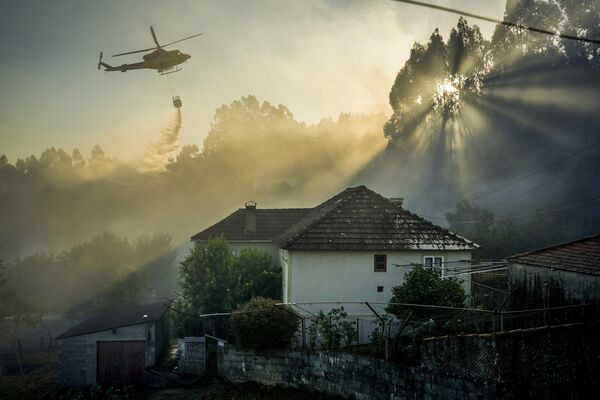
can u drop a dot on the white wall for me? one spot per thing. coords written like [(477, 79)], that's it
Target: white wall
[(311, 276)]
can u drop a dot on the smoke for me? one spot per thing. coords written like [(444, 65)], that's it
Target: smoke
[(162, 150)]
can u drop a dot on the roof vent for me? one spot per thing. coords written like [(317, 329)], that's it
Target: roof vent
[(250, 217), (397, 200)]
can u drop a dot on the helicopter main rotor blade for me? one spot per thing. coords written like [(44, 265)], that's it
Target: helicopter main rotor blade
[(133, 52), (181, 40), (154, 36)]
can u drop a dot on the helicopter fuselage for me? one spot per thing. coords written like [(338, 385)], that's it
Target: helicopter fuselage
[(164, 59)]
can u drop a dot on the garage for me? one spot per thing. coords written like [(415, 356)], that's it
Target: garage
[(113, 348)]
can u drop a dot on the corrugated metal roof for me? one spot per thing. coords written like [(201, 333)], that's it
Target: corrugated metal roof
[(269, 223), (123, 316), (360, 219), (582, 256)]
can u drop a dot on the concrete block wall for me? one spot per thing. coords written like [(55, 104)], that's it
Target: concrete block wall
[(347, 375), (550, 362)]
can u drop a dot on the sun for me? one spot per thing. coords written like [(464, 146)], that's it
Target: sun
[(447, 96), (446, 88)]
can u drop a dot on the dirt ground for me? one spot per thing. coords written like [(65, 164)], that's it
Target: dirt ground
[(243, 391), (38, 382)]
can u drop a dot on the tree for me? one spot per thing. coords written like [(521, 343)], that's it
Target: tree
[(425, 286), (262, 325), (253, 275), (204, 277), (472, 222), (14, 312), (213, 280)]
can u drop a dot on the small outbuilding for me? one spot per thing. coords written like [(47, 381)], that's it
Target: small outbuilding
[(564, 274), (113, 348)]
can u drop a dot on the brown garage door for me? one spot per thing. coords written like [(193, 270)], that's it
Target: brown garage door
[(120, 363)]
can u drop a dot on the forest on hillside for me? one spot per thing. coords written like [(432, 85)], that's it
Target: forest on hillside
[(495, 138)]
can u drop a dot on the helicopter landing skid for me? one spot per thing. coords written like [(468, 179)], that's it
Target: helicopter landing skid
[(169, 71)]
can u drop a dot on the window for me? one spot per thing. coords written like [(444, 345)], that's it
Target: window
[(379, 289), (435, 263), (380, 262)]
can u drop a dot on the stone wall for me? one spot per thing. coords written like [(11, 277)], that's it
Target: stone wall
[(348, 375), (554, 363)]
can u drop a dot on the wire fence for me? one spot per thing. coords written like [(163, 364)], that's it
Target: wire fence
[(390, 337)]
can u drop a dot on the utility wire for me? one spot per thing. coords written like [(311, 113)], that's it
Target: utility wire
[(475, 196), (549, 211), (502, 22), (561, 175), (537, 171)]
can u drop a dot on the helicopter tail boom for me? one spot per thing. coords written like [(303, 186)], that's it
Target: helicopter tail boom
[(109, 68), (105, 65)]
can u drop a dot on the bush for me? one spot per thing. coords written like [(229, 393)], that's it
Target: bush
[(261, 325), (333, 328), (425, 286)]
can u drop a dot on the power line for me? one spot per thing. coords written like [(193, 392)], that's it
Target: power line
[(475, 196), (549, 181), (502, 22), (537, 171), (549, 211)]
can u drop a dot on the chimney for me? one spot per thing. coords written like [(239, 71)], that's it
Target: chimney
[(250, 217), (398, 201)]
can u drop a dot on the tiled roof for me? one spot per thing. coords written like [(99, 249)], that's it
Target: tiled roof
[(123, 316), (360, 219), (579, 256), (269, 223)]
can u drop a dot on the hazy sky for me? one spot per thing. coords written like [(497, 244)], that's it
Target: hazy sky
[(317, 57)]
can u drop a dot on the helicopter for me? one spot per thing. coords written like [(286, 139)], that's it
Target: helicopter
[(163, 61)]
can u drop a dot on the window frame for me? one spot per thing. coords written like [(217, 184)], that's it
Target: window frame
[(442, 267), (375, 268)]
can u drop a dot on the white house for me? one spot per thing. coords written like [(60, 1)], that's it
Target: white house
[(353, 247)]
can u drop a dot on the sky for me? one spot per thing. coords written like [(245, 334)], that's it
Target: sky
[(319, 58)]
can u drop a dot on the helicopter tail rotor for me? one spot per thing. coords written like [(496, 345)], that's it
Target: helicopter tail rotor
[(100, 60)]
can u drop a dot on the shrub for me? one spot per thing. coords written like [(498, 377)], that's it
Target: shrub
[(333, 328), (261, 325), (425, 286)]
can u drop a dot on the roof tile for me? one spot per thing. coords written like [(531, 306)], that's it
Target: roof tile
[(582, 255)]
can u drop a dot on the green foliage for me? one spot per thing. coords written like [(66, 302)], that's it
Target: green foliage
[(213, 280), (333, 328), (261, 325), (377, 336), (425, 286), (15, 306), (106, 271), (253, 275), (204, 277)]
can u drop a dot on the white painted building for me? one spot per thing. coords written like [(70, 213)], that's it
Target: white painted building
[(352, 248)]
